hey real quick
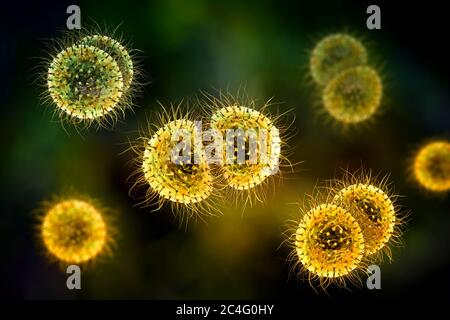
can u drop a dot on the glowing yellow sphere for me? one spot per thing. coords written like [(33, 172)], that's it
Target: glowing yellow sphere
[(249, 173), (184, 183), (329, 242), (431, 166), (354, 95), (74, 231), (374, 212), (334, 54), (85, 82)]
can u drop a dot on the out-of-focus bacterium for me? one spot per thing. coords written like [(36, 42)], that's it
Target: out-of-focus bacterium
[(353, 96), (334, 54), (431, 166), (74, 231), (188, 187)]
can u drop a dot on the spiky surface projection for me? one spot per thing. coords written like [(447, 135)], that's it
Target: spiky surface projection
[(74, 231), (334, 54), (354, 95)]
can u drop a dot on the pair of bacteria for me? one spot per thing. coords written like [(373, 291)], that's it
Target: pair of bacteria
[(357, 222), (351, 90), (194, 186)]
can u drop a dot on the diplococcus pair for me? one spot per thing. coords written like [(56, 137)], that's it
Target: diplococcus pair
[(90, 78), (353, 222), (194, 186), (351, 90)]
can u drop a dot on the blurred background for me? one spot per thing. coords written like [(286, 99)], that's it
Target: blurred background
[(195, 45)]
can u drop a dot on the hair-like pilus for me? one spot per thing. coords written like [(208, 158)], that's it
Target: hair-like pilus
[(333, 54)]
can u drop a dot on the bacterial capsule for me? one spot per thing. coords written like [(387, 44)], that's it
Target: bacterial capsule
[(431, 166), (74, 231), (354, 95), (334, 54)]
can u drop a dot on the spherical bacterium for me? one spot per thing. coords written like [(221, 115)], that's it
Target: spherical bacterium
[(354, 95), (374, 211), (117, 51), (183, 183), (431, 166), (90, 77), (245, 174), (329, 242)]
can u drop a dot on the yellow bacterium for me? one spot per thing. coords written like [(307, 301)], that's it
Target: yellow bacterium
[(431, 166), (85, 82), (328, 244), (354, 95), (74, 231), (374, 207), (243, 176), (257, 151), (189, 187), (90, 78), (373, 210)]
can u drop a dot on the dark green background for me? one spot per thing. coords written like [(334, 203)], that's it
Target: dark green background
[(189, 46)]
